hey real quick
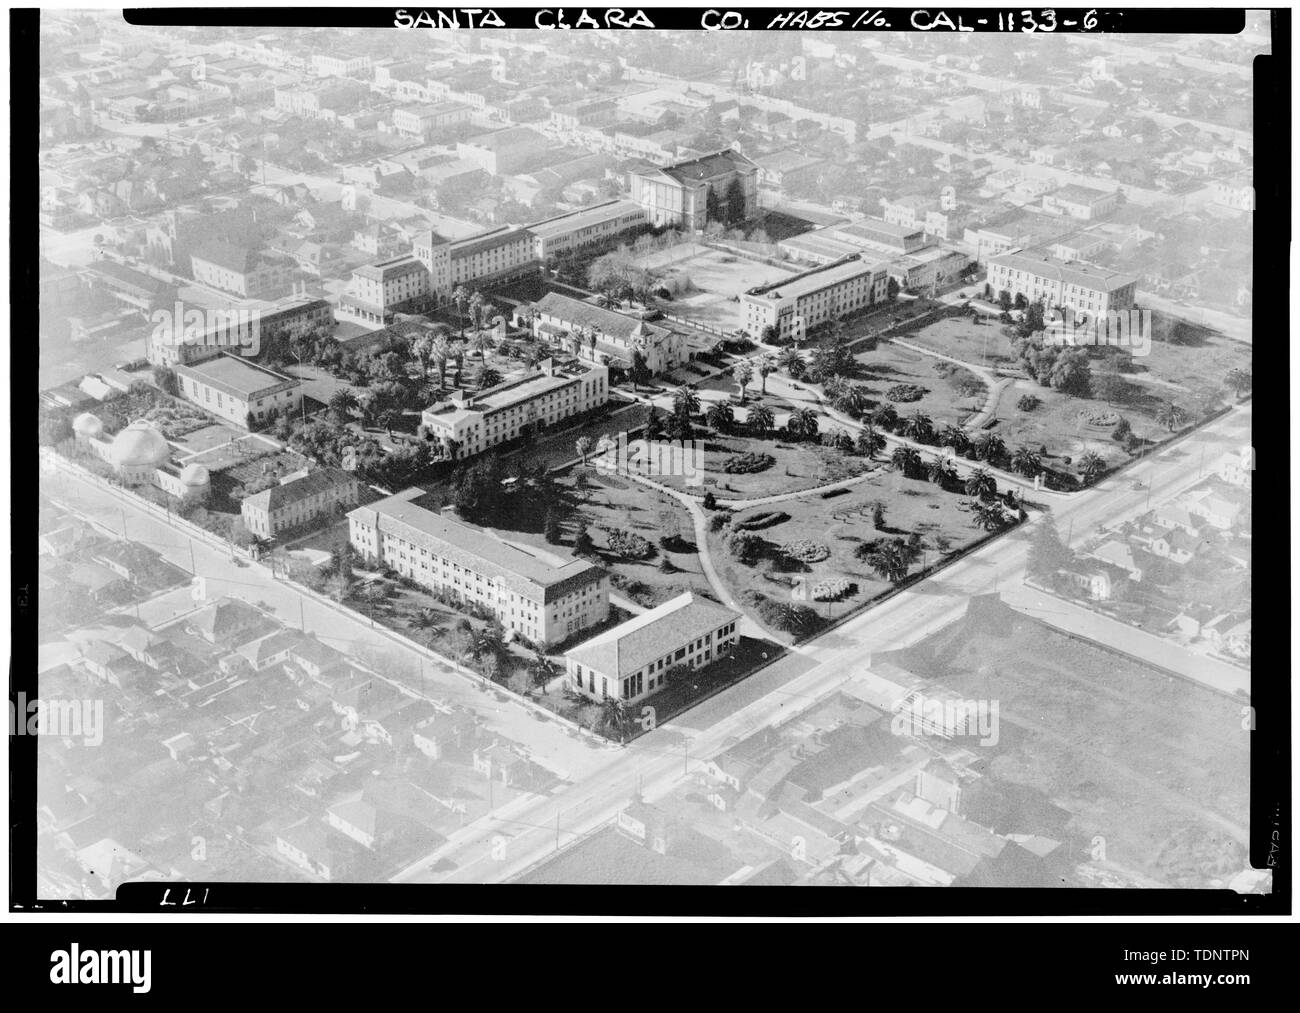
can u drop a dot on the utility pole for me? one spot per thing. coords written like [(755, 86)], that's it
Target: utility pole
[(302, 615), (194, 567)]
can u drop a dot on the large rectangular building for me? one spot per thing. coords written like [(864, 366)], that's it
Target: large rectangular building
[(299, 501), (544, 601), (377, 291), (795, 305), (491, 257), (632, 660), (618, 336), (1040, 277), (587, 227), (238, 390), (682, 194), (470, 423)]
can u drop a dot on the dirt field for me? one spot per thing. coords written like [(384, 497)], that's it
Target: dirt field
[(713, 277)]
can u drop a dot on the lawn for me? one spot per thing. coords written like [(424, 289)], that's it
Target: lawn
[(708, 280), (890, 365), (841, 524), (795, 467), (610, 502), (961, 337)]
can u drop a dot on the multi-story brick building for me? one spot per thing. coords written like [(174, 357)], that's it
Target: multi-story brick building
[(238, 390), (682, 194), (470, 423), (299, 500), (1042, 278), (795, 305), (534, 598)]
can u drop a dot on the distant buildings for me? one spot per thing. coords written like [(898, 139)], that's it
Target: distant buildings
[(299, 500), (536, 599), (241, 271), (1235, 194), (1080, 202), (632, 660), (688, 194), (794, 305), (425, 121), (238, 390), (472, 422), (1042, 278)]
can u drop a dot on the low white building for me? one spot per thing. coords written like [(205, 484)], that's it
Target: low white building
[(632, 660)]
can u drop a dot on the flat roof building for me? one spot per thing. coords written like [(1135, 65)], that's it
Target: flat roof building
[(795, 305), (1042, 278), (238, 390)]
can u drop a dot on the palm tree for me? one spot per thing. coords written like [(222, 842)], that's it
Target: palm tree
[(918, 426), (488, 377), (481, 342), (419, 351), (990, 447), (884, 416), (1171, 415), (583, 447), (475, 307), (486, 314), (988, 516), (1026, 461), (686, 401), (761, 419), (787, 359), (720, 417), (429, 622), (1238, 381), (889, 559), (439, 353), (460, 297), (852, 400), (614, 717), (743, 372), (870, 442), (941, 471), (542, 669), (954, 436), (981, 484), (342, 404), (803, 422), (906, 459), (1091, 465), (458, 357), (766, 365)]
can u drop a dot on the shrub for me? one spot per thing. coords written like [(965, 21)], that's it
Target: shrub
[(745, 546), (833, 589), (903, 393), (766, 519), (806, 550), (1028, 402), (719, 521), (743, 464), (629, 544)]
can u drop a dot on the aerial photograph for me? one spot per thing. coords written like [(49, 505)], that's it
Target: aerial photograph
[(624, 458)]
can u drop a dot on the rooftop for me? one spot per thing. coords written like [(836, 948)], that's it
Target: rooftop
[(585, 217), (1067, 272), (633, 645), (817, 279), (476, 548), (280, 496), (608, 322), (234, 375)]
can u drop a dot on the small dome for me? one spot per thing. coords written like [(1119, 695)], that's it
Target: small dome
[(86, 424), (194, 474), (139, 445)]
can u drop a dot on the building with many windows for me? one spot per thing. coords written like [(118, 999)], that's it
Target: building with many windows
[(586, 227), (632, 660), (1080, 202), (299, 500), (238, 390), (492, 257), (242, 271), (470, 423), (1040, 277), (617, 336), (377, 291), (795, 305), (431, 118), (543, 601), (683, 194)]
